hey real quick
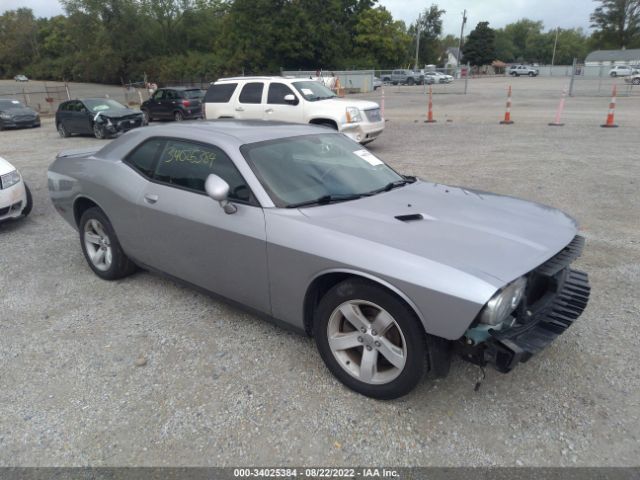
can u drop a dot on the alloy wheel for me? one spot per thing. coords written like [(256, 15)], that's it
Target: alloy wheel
[(367, 342), (98, 245)]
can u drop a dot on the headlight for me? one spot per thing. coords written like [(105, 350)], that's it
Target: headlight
[(6, 116), (10, 179), (503, 303), (353, 115)]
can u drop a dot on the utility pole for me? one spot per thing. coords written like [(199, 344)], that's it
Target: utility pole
[(555, 44), (464, 20), (415, 65)]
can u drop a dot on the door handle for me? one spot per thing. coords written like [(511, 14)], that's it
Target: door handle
[(149, 198), (239, 109), (269, 110)]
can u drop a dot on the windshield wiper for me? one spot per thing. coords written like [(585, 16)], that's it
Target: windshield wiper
[(392, 185), (325, 199)]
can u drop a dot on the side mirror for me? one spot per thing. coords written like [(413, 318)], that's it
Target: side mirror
[(291, 99), (218, 189)]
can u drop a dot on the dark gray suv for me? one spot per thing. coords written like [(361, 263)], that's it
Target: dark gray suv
[(173, 103)]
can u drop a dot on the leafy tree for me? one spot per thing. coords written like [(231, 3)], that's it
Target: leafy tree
[(431, 49), (380, 41), (480, 49), (617, 23)]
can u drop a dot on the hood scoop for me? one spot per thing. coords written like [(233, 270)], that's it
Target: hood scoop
[(410, 218)]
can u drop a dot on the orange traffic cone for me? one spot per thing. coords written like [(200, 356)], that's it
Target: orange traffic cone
[(507, 115), (430, 108), (612, 107)]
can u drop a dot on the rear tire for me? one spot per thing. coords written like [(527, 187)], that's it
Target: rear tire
[(370, 339), (531, 74), (101, 247), (636, 81), (411, 81)]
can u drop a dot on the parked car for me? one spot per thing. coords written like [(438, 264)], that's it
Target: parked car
[(174, 103), (404, 77), (622, 71), (20, 78), (438, 77), (518, 70), (14, 114), (101, 117), (633, 79), (377, 83), (15, 196), (389, 273), (295, 100)]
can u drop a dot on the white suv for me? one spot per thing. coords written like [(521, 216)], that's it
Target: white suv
[(296, 100), (622, 71)]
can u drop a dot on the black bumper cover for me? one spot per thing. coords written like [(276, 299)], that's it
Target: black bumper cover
[(506, 349)]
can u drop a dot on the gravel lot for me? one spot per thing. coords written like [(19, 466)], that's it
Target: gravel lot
[(221, 387)]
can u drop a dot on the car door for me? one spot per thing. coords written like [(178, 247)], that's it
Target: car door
[(277, 108), (168, 104), (155, 105), (249, 101), (84, 119), (188, 235)]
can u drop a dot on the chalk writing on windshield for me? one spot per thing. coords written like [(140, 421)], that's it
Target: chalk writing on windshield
[(195, 156)]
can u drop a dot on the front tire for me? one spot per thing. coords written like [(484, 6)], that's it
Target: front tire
[(614, 74), (178, 116), (147, 117), (636, 81), (98, 131), (101, 247), (370, 340), (29, 205), (62, 131)]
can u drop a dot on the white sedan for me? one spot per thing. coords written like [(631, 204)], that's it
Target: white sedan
[(15, 197), (439, 77)]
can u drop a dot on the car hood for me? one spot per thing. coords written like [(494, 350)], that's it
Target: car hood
[(118, 112), (5, 167), (494, 237), (343, 103), (19, 111)]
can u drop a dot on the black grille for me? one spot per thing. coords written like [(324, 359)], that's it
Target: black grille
[(373, 115), (4, 211), (562, 259)]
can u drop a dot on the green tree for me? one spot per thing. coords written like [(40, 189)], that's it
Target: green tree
[(380, 41), (431, 48), (480, 49), (19, 44), (617, 23)]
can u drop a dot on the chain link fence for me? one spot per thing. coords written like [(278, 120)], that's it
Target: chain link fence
[(43, 99)]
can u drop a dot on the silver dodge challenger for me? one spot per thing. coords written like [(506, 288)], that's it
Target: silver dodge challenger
[(392, 275)]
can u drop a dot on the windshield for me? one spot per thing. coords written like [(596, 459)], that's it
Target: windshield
[(318, 169), (10, 104), (313, 91), (102, 104)]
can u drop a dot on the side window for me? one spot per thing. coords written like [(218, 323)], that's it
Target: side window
[(188, 165), (277, 92), (220, 93), (252, 93), (144, 156), (158, 95), (170, 95)]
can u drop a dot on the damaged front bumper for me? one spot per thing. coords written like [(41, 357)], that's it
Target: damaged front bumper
[(539, 324)]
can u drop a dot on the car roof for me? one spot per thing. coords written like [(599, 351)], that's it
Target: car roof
[(239, 132), (237, 79), (180, 88)]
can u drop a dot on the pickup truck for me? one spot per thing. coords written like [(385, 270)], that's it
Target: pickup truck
[(404, 77)]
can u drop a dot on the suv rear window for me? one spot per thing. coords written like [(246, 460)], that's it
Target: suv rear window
[(220, 93)]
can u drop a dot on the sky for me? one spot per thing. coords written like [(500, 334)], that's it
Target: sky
[(554, 13)]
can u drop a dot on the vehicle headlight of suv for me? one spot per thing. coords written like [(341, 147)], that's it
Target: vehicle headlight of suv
[(9, 179), (353, 115), (503, 303)]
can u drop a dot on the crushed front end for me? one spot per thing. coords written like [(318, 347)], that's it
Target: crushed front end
[(554, 297)]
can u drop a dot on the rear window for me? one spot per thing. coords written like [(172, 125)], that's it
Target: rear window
[(220, 93), (194, 93)]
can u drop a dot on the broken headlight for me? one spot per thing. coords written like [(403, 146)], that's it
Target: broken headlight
[(503, 303)]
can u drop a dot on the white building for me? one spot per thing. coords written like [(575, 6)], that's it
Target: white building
[(453, 53)]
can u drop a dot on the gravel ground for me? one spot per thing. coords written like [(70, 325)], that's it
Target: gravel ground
[(222, 387)]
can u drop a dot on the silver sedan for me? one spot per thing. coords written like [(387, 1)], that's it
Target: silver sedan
[(306, 227)]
